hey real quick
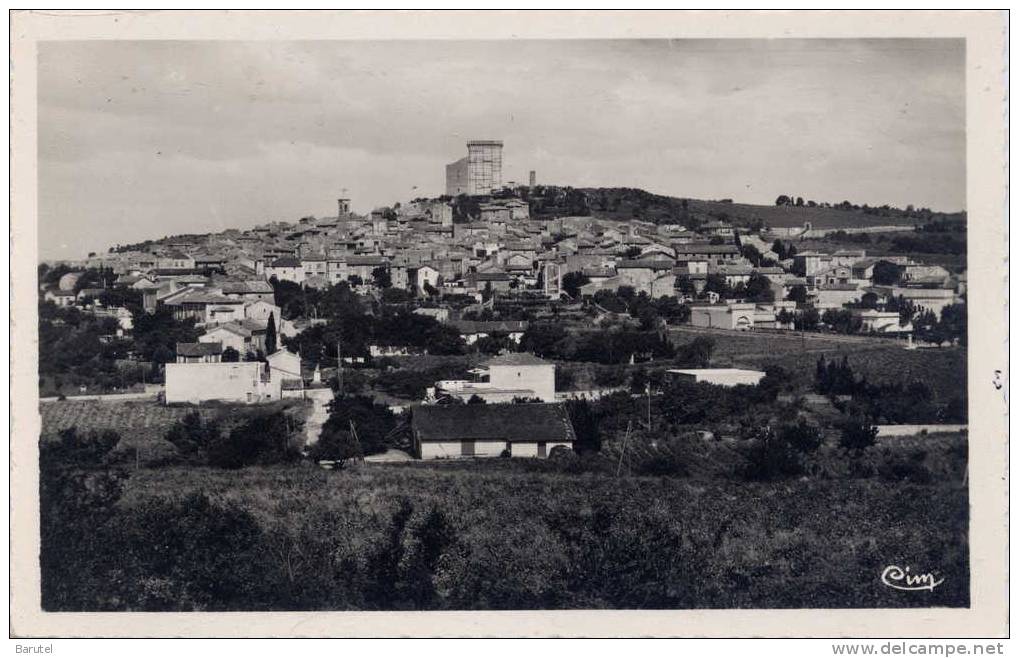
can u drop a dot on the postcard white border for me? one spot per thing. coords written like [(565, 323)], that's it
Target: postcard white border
[(985, 34)]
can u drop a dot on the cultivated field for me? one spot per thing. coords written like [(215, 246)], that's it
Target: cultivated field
[(141, 424), (789, 216), (879, 359)]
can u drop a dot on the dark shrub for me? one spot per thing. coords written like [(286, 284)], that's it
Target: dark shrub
[(857, 435)]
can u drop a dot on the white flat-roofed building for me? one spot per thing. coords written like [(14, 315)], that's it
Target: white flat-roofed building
[(719, 376)]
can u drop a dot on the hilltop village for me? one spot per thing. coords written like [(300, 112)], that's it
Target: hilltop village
[(366, 407), (523, 276)]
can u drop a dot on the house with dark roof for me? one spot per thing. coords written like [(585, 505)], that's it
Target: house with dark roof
[(285, 268), (716, 253), (199, 352), (472, 330), (490, 430), (204, 306)]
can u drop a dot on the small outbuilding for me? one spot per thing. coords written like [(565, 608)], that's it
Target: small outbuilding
[(719, 376)]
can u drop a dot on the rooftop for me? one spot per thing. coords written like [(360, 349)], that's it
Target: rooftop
[(517, 359), (199, 349), (500, 422), (715, 371)]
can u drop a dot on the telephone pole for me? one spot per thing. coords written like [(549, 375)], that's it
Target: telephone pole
[(649, 405), (622, 452), (339, 365)]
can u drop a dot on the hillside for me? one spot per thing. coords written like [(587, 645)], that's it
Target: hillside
[(629, 203)]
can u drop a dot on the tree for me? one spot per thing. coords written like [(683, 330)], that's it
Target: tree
[(953, 323), (544, 339), (770, 456), (192, 436), (716, 283), (230, 355), (684, 285), (752, 254), (869, 300), (264, 438), (802, 436), (857, 435), (270, 335), (334, 444), (573, 281), (759, 289), (886, 273), (585, 426), (798, 294), (373, 422), (782, 200), (779, 249), (475, 399), (382, 278)]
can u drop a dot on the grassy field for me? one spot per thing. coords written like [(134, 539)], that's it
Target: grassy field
[(880, 245), (881, 360), (516, 537), (625, 204), (791, 216)]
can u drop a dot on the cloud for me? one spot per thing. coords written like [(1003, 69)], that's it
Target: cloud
[(139, 138)]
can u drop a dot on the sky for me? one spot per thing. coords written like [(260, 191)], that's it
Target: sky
[(142, 139)]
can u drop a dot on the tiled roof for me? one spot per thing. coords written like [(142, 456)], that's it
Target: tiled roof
[(647, 263), (199, 349), (707, 248), (475, 327), (286, 261), (528, 423), (245, 287), (491, 276), (517, 359), (366, 260)]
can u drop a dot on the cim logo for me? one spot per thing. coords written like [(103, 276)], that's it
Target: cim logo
[(899, 578)]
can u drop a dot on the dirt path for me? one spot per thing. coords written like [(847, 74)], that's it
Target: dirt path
[(320, 399)]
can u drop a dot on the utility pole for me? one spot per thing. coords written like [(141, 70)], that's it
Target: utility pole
[(649, 405), (357, 441), (339, 364), (622, 452)]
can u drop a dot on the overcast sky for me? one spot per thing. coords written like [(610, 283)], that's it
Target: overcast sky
[(144, 139)]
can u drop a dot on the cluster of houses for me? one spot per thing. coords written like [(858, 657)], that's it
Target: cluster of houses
[(222, 281), (418, 248)]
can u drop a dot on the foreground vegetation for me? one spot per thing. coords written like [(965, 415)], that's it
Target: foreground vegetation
[(502, 534)]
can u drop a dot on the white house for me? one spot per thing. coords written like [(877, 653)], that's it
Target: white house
[(739, 316), (231, 334), (426, 274), (243, 381), (719, 376), (523, 371), (286, 268), (472, 330), (203, 377)]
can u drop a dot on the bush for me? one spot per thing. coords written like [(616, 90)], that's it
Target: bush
[(373, 423), (185, 554), (911, 468), (263, 439), (803, 437), (857, 435)]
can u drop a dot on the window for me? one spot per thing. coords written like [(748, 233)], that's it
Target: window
[(542, 449), (467, 448)]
